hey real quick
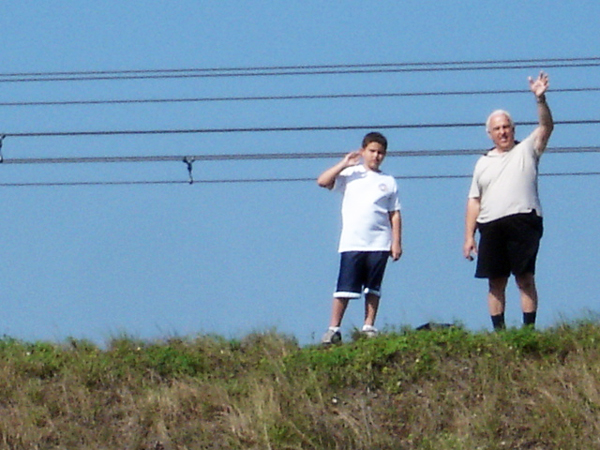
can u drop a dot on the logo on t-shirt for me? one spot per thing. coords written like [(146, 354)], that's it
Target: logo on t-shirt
[(382, 187)]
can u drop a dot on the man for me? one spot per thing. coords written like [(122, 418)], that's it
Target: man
[(504, 206)]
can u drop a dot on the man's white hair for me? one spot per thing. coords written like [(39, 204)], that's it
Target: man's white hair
[(496, 113)]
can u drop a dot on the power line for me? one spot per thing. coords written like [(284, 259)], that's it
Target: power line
[(296, 67), (275, 129), (253, 180), (93, 183), (295, 73), (265, 156), (322, 66), (284, 97), (299, 70)]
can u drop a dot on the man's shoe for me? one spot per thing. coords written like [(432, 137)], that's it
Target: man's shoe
[(331, 337)]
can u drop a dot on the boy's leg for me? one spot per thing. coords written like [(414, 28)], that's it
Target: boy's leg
[(371, 307), (348, 285), (376, 268), (338, 309)]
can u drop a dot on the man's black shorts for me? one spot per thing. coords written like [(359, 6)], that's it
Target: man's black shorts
[(509, 245)]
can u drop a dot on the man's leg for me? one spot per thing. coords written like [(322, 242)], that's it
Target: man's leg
[(497, 301), (529, 297)]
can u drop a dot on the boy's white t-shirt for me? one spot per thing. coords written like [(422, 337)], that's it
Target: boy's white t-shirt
[(506, 183), (369, 197)]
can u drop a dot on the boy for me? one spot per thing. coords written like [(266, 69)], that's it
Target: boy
[(371, 230)]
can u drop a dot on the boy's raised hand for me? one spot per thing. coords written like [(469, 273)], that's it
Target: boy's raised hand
[(352, 158), (327, 178)]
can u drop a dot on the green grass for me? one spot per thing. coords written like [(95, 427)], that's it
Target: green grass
[(439, 389)]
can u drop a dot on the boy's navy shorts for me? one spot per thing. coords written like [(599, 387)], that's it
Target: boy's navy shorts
[(509, 245), (360, 272)]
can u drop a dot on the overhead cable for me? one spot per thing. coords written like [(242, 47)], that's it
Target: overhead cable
[(188, 159), (253, 180), (284, 97), (296, 67), (274, 129), (340, 69)]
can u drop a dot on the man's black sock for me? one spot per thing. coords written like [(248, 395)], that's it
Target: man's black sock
[(498, 322), (529, 318)]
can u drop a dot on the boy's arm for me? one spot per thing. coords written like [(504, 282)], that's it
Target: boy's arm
[(327, 178), (396, 221)]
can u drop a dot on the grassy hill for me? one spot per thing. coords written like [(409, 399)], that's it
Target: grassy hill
[(407, 389)]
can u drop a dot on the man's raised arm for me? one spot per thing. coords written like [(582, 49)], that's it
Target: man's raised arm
[(539, 86)]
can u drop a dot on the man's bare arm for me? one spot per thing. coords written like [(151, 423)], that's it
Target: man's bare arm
[(539, 86), (470, 247)]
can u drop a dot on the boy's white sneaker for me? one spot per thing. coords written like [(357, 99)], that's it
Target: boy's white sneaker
[(331, 337), (369, 331)]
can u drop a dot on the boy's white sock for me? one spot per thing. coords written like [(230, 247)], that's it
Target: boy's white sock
[(369, 328), (334, 329)]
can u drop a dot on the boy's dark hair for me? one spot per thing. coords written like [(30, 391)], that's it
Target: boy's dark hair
[(374, 136)]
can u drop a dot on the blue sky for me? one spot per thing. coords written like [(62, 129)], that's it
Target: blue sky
[(156, 260)]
